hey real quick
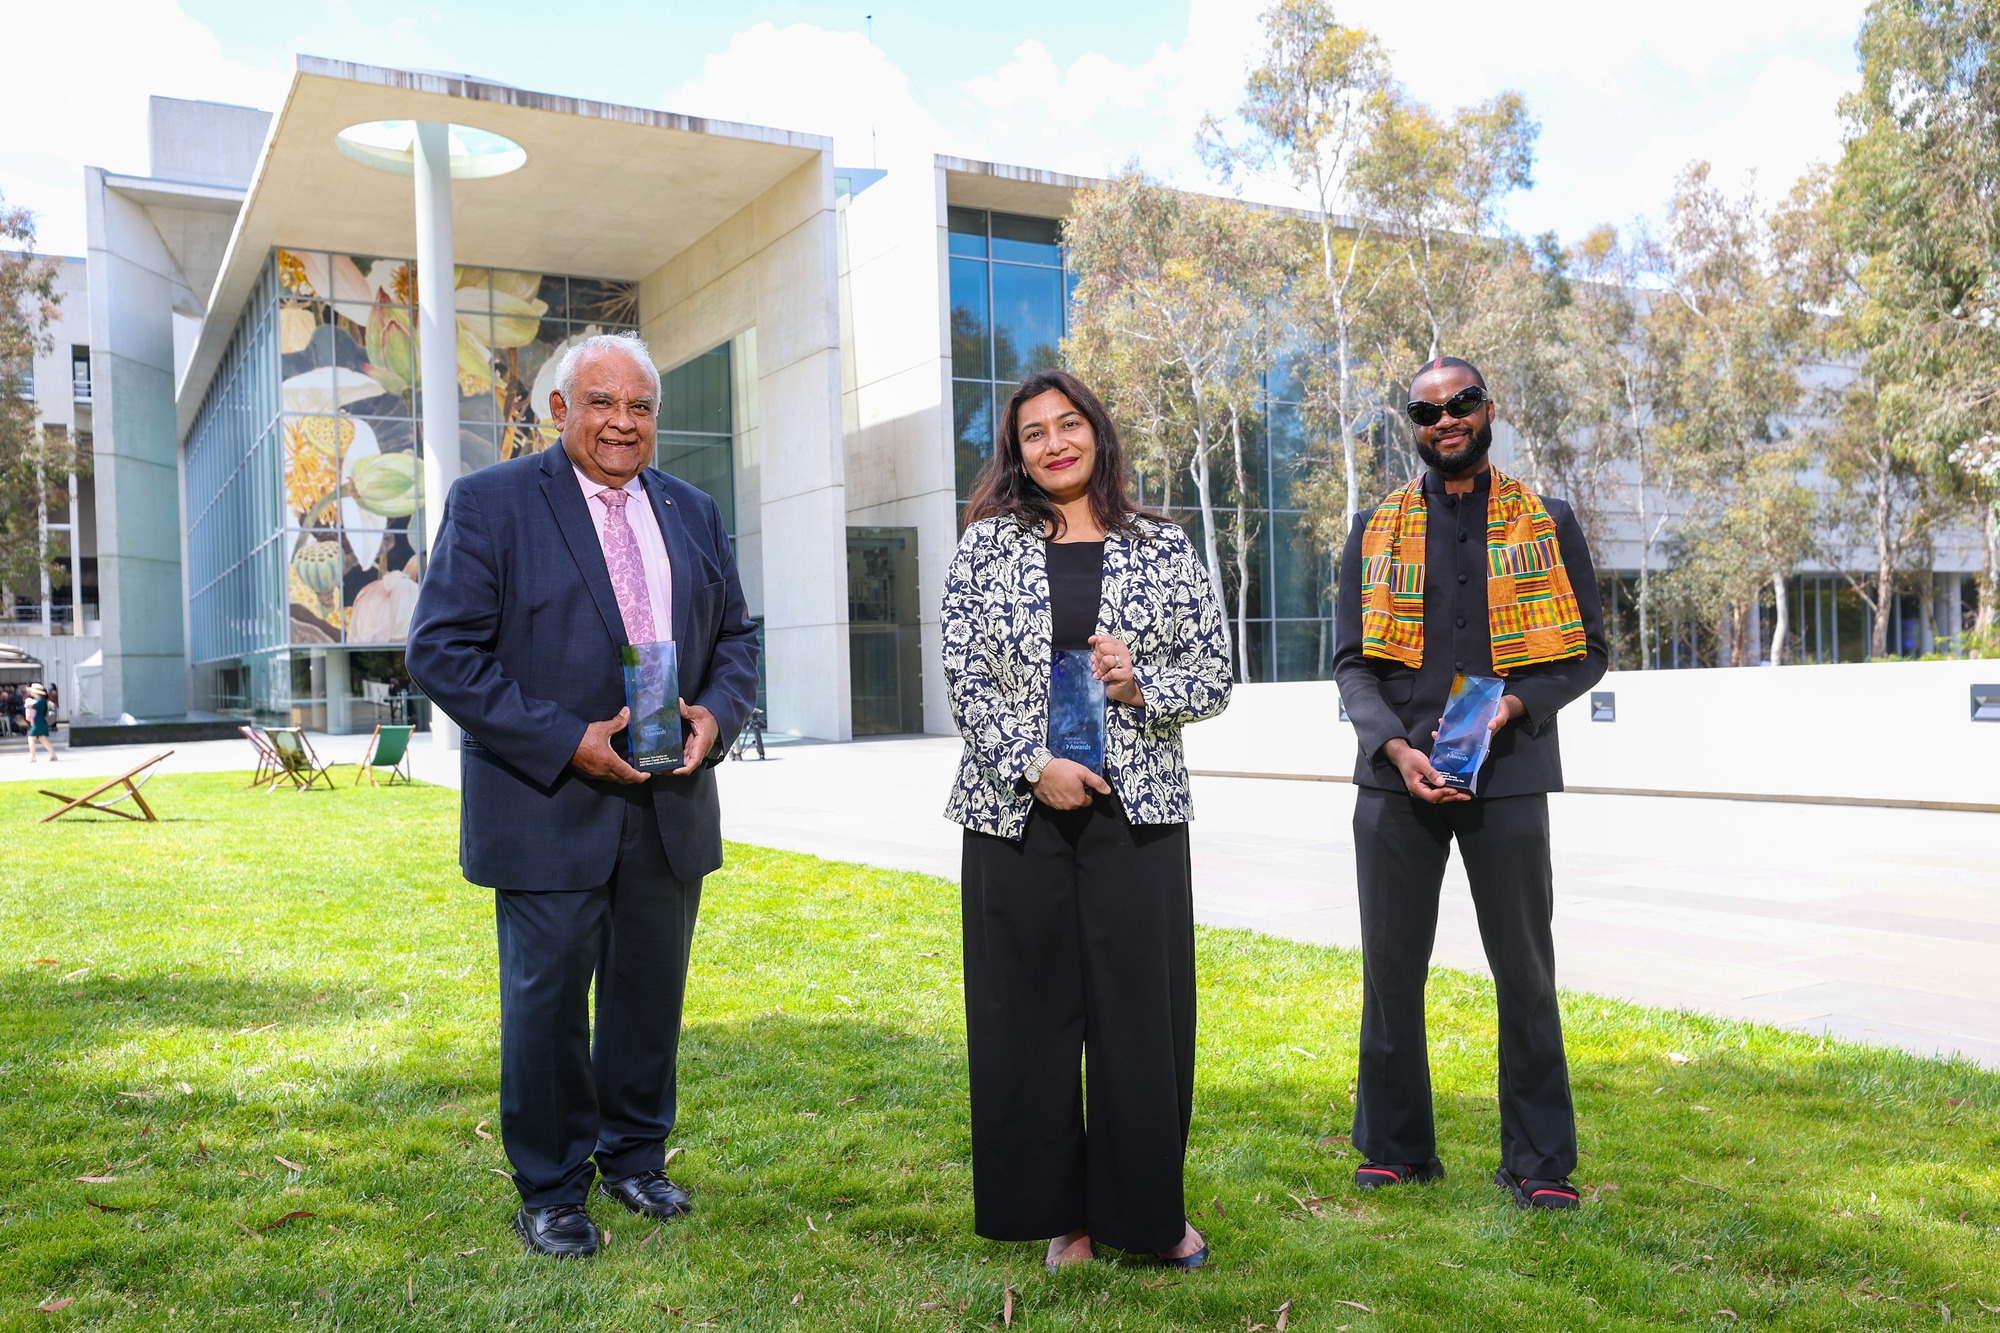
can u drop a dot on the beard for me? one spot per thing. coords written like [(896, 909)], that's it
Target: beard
[(1482, 440)]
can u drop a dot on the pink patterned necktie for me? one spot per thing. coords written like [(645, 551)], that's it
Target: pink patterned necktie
[(628, 572)]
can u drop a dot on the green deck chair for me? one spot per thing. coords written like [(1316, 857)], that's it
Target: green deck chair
[(388, 748)]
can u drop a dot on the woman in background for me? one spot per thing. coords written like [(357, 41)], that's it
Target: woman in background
[(38, 722), (1078, 913)]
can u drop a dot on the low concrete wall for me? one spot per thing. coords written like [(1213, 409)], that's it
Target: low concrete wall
[(1890, 733)]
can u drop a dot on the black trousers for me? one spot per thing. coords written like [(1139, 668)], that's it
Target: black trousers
[(565, 1099), (1079, 943), (1400, 848)]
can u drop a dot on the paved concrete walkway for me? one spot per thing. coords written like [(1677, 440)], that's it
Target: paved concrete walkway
[(1873, 924)]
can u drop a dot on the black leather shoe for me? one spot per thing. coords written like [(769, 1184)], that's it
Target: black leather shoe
[(649, 1194), (1373, 1175), (562, 1230)]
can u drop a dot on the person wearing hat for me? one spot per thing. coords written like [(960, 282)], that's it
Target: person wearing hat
[(1463, 571), (38, 722)]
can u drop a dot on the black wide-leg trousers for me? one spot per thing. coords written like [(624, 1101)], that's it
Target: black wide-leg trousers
[(1400, 848), (1079, 944), (564, 1098)]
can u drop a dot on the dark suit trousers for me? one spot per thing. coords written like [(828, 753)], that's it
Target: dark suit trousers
[(1400, 848), (1079, 943), (565, 1099)]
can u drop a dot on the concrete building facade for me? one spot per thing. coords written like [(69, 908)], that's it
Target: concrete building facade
[(836, 344)]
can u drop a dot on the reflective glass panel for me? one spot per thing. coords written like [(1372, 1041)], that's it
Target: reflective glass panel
[(1027, 320), (970, 354), (972, 433), (967, 228), (1027, 240)]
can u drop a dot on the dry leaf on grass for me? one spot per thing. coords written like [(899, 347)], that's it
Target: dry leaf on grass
[(95, 1180), (1442, 1264), (464, 1254), (1007, 1306), (650, 1239), (1730, 1313), (1163, 1282), (671, 1154), (498, 1172), (54, 1306), (102, 1207), (286, 1162), (1284, 1313), (1357, 1305), (849, 1101), (248, 1232), (450, 1106), (293, 1216), (186, 1090), (480, 1130), (1680, 1059), (139, 1096)]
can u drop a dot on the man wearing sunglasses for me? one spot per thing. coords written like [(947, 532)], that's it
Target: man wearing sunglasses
[(1462, 571)]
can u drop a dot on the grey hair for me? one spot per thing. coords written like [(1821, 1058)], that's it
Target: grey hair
[(627, 343)]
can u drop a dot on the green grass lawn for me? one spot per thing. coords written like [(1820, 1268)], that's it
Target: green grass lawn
[(266, 1028)]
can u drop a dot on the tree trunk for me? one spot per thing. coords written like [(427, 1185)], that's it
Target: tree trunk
[(1989, 575), (1885, 558), (1725, 639), (1781, 620), (1645, 545), (1243, 538), (1204, 496)]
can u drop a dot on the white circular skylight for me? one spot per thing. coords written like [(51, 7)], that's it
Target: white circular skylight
[(390, 145)]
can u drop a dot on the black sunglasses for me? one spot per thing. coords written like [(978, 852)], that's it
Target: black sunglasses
[(1461, 404)]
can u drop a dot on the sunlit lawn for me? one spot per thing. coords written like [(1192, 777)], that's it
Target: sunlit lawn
[(265, 1028)]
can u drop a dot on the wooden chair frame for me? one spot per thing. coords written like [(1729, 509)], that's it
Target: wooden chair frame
[(268, 764), (400, 769), (304, 772), (107, 807)]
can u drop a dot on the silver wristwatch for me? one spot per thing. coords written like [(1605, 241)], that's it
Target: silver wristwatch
[(1037, 764)]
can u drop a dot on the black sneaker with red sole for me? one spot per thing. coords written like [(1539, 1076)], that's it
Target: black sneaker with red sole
[(1380, 1175), (1530, 1192)]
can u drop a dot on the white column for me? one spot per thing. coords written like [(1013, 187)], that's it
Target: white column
[(437, 345)]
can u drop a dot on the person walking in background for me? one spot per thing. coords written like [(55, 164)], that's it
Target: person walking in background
[(39, 724), (7, 707), (1077, 905), (1462, 571), (545, 569)]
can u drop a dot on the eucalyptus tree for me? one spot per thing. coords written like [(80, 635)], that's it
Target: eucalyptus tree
[(1309, 105), (1172, 320), (1730, 339), (35, 465)]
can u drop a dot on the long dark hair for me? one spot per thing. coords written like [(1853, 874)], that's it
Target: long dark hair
[(1005, 488)]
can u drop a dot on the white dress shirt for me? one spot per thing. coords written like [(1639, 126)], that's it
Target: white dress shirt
[(652, 546)]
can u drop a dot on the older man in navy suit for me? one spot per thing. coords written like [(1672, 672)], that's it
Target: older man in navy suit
[(544, 569)]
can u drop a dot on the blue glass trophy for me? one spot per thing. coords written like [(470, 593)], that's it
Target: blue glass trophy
[(1076, 709), (1465, 732), (652, 692)]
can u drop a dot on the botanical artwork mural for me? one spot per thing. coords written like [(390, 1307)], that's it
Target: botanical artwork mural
[(351, 440)]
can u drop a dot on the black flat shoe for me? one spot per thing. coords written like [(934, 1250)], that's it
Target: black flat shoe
[(1378, 1175), (1199, 1259), (649, 1194), (561, 1231), (1529, 1192)]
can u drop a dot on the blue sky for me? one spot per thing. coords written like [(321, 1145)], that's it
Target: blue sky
[(1626, 95)]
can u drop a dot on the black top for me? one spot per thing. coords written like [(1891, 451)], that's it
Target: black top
[(1387, 699), (1076, 587)]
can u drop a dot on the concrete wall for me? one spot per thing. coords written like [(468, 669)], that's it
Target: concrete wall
[(133, 286), (204, 143), (771, 268), (899, 455), (1889, 731)]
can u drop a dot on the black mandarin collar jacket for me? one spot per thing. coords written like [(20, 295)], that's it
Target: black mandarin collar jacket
[(1385, 699)]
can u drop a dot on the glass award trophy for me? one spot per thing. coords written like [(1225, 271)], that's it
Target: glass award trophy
[(1076, 709), (652, 692), (1466, 729)]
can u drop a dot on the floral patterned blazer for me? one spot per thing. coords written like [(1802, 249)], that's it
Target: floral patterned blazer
[(1157, 600)]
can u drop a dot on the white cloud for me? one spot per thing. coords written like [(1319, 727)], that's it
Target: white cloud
[(818, 81), (1783, 122), (82, 100)]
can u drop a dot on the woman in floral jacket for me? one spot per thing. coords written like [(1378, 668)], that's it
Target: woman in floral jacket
[(1079, 921)]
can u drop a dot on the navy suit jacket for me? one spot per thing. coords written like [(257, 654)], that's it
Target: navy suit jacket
[(516, 636)]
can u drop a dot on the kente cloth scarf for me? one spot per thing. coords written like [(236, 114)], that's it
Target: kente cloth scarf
[(1530, 611)]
